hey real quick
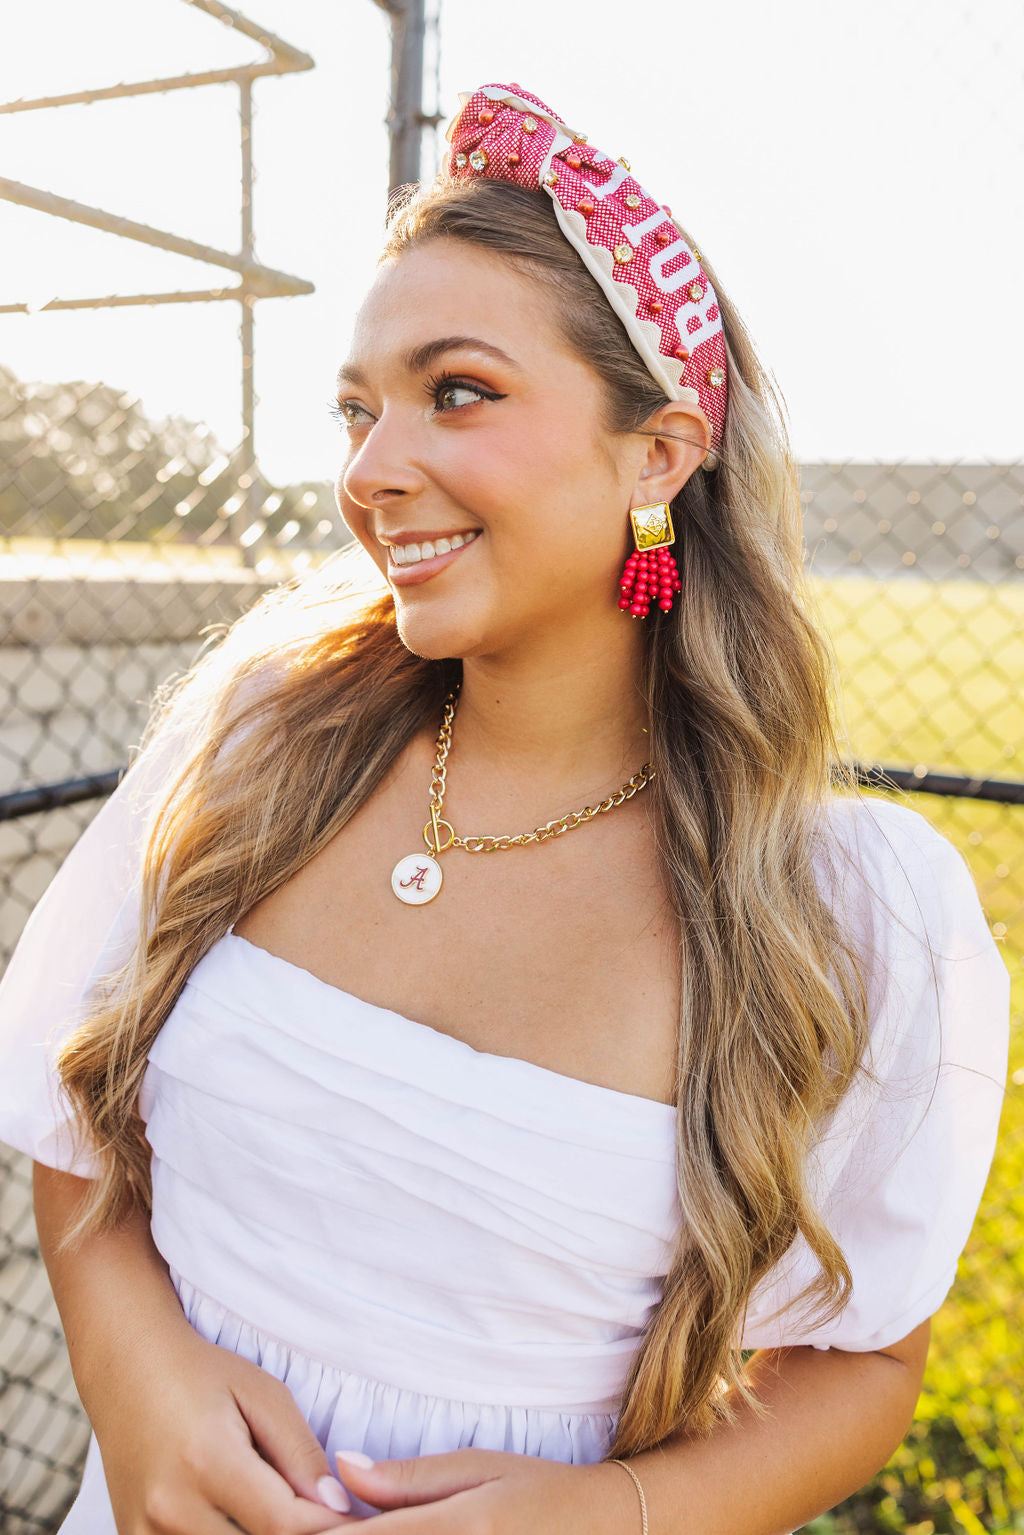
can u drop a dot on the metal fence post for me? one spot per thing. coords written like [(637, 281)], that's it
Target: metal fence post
[(406, 118)]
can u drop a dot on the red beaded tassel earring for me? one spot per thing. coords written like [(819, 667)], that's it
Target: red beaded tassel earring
[(650, 574)]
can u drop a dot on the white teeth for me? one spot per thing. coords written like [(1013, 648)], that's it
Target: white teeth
[(412, 554)]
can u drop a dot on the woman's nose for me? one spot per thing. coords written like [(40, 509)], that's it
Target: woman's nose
[(384, 465)]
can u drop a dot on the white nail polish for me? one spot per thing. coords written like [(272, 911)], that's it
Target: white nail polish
[(355, 1458), (333, 1495)]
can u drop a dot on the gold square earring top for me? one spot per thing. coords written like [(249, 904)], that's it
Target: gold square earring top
[(652, 526)]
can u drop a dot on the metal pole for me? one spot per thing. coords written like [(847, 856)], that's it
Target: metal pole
[(405, 118), (265, 282), (246, 513)]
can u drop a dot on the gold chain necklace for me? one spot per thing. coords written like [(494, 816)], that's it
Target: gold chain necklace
[(416, 878)]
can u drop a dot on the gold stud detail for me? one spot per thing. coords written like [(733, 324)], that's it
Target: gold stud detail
[(695, 291), (551, 179), (625, 162), (716, 378), (652, 526), (632, 201), (579, 138), (460, 161), (529, 125), (623, 253), (478, 160), (696, 254)]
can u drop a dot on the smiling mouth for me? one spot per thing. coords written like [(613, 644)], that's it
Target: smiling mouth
[(413, 554)]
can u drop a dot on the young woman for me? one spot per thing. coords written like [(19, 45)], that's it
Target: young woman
[(489, 1044)]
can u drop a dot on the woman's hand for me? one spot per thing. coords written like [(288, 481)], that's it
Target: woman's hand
[(192, 1436), (494, 1492)]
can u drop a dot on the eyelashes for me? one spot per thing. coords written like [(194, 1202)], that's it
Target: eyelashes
[(340, 411), (348, 412), (447, 384)]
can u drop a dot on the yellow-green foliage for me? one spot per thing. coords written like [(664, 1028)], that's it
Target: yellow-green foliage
[(933, 674)]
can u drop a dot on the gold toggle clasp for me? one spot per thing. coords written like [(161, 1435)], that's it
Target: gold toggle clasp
[(432, 833)]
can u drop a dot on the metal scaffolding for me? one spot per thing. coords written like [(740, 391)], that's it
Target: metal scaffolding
[(256, 281)]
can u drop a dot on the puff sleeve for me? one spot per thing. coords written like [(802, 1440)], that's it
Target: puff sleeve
[(84, 925), (899, 1172)]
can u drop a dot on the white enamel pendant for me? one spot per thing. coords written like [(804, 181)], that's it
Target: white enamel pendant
[(416, 879)]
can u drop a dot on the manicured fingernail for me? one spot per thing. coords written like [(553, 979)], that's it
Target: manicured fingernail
[(333, 1495), (355, 1458)]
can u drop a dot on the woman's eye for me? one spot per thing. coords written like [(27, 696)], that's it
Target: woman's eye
[(350, 413), (453, 396), (448, 395)]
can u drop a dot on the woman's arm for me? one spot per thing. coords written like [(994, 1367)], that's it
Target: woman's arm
[(836, 1417), (190, 1434)]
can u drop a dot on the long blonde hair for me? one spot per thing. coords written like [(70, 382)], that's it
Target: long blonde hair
[(317, 697)]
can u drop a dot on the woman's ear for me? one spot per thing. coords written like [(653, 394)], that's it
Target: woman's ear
[(680, 441)]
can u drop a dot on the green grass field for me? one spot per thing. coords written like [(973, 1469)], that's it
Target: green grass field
[(934, 675)]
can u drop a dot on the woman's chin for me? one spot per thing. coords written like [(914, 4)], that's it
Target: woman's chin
[(437, 636)]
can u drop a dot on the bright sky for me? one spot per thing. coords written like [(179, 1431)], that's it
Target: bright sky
[(853, 172)]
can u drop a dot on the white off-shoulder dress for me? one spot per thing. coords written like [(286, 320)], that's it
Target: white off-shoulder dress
[(435, 1246)]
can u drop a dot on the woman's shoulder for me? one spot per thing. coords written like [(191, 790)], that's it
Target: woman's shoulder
[(232, 697), (900, 885), (908, 896), (892, 847), (874, 823)]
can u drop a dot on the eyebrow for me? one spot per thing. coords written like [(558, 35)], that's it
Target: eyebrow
[(422, 357)]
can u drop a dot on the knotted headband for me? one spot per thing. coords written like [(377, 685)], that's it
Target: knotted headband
[(650, 275)]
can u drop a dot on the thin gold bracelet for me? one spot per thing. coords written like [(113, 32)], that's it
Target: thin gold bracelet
[(643, 1501)]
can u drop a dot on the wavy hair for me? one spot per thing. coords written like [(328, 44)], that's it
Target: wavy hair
[(317, 697)]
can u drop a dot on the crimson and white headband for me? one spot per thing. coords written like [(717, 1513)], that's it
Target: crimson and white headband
[(650, 275)]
